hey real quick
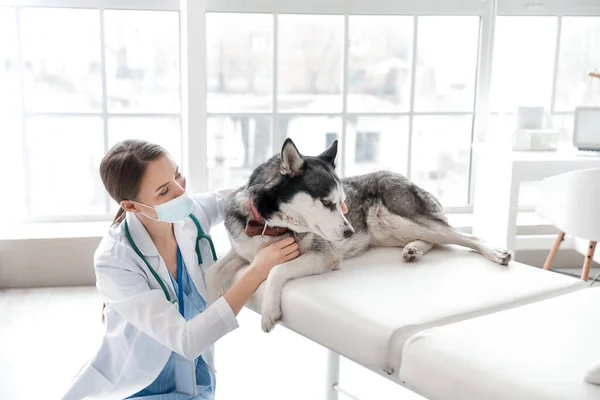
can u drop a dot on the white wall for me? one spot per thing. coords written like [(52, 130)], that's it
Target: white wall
[(26, 263), (47, 262)]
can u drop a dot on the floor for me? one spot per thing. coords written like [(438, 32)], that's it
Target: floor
[(46, 335), (576, 272)]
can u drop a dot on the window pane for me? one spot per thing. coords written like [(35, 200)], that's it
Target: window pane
[(12, 170), (142, 61), (239, 51), (579, 55), (379, 63), (523, 62), (235, 146), (376, 143), (10, 100), (64, 155), (441, 153), (163, 131), (310, 134), (310, 63), (446, 63), (61, 51), (501, 128)]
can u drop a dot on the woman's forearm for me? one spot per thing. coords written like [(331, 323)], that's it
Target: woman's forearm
[(242, 289)]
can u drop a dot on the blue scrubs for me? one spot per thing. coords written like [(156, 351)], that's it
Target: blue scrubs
[(163, 387)]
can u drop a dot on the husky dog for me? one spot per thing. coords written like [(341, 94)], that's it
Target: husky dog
[(293, 194)]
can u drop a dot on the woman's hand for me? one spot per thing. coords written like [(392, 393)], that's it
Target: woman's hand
[(268, 256)]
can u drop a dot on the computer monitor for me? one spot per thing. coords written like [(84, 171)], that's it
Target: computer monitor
[(586, 134)]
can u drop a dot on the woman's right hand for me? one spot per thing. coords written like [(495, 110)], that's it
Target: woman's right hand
[(268, 256)]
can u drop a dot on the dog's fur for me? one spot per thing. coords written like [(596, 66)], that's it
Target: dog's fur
[(304, 193)]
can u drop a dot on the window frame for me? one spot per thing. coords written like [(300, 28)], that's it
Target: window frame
[(487, 10), (347, 9), (104, 114), (193, 113), (559, 10)]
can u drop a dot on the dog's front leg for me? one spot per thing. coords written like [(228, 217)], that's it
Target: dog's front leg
[(222, 272), (312, 263)]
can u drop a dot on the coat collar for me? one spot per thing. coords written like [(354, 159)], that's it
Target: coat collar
[(185, 234), (140, 235)]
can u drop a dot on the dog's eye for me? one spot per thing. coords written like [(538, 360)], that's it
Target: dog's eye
[(328, 204)]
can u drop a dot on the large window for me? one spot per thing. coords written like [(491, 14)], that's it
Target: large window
[(386, 86), (318, 77), (72, 83), (544, 61), (397, 83)]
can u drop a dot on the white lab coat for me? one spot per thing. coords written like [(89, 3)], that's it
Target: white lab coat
[(142, 327)]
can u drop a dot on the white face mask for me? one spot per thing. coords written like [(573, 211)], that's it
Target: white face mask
[(173, 210)]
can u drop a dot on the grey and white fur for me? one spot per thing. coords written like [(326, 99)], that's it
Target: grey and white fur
[(304, 194)]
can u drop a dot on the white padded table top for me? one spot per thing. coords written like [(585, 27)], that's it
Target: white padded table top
[(534, 352), (367, 310)]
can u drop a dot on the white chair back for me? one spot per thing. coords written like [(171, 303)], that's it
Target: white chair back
[(571, 202)]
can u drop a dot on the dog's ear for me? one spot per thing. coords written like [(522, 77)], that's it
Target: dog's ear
[(329, 155), (291, 159)]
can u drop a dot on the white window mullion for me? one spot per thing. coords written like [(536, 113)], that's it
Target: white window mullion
[(556, 64), (549, 8), (275, 88), (346, 46), (483, 88), (291, 114), (484, 71), (193, 92), (25, 149), (411, 106), (103, 78), (155, 5), (108, 114), (352, 7)]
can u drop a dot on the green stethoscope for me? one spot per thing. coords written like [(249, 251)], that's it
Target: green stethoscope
[(201, 235)]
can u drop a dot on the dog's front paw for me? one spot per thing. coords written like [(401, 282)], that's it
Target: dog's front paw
[(270, 316), (498, 255), (502, 256), (410, 252)]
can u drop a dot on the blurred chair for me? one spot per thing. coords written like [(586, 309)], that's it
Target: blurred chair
[(571, 202)]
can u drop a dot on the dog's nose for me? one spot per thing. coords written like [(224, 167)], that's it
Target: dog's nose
[(348, 233)]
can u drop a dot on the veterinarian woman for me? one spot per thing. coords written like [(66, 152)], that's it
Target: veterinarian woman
[(159, 334)]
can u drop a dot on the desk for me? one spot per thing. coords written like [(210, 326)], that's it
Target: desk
[(498, 175)]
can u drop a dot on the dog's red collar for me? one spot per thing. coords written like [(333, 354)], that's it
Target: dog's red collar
[(257, 227)]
